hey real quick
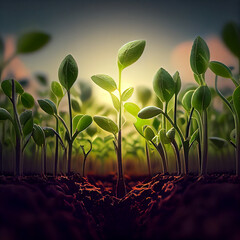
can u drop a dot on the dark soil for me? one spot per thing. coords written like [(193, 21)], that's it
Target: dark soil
[(164, 207)]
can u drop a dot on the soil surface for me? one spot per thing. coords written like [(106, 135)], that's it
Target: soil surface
[(163, 207)]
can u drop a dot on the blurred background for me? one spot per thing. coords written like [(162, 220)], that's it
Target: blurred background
[(93, 31)]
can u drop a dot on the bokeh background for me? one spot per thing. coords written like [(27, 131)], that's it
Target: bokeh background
[(93, 31)]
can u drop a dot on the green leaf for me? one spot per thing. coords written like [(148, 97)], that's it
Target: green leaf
[(231, 38), (31, 42), (7, 87), (143, 95), (197, 79), (75, 120), (130, 53), (177, 80), (86, 91), (149, 133), (132, 108), (218, 142), (91, 130), (84, 122), (105, 82), (171, 134), (163, 137), (106, 124), (201, 98), (163, 85), (75, 105), (236, 101), (47, 106), (42, 79), (26, 120), (127, 94), (187, 100), (200, 56), (57, 89), (68, 72), (220, 69), (194, 137), (116, 102), (53, 97), (38, 135), (149, 112), (5, 115), (27, 100)]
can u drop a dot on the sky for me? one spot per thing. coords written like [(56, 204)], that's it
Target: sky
[(93, 31)]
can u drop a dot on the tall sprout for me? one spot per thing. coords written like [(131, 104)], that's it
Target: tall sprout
[(127, 55), (67, 74)]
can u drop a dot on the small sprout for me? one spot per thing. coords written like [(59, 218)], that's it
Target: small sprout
[(47, 106), (57, 90), (68, 72), (148, 133), (7, 87), (200, 56), (171, 134), (201, 98), (163, 85), (163, 137), (187, 100)]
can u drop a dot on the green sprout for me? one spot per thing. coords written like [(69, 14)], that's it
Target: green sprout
[(23, 124), (127, 55)]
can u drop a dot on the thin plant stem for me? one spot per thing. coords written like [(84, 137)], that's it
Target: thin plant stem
[(56, 150), (189, 123), (178, 156), (175, 109), (204, 143), (70, 137), (121, 189), (161, 152), (148, 158)]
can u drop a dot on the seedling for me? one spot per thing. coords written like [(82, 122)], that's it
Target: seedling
[(67, 73), (23, 124), (127, 55)]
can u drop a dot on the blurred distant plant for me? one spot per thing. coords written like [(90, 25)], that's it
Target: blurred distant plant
[(26, 43), (127, 55)]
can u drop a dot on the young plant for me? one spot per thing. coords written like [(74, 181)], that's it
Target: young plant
[(50, 108), (201, 98), (67, 74), (127, 55), (23, 124), (231, 38)]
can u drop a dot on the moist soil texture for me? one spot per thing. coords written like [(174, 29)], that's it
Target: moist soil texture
[(162, 207)]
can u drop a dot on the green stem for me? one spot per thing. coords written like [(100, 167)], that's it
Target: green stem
[(175, 109), (44, 159), (121, 189), (71, 132), (164, 123), (237, 149), (56, 150), (161, 152), (177, 155), (189, 123), (204, 143), (148, 159)]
